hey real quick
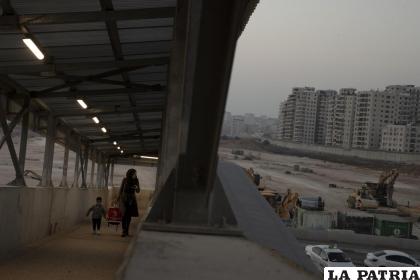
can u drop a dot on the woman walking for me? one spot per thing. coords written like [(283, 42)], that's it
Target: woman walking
[(127, 199)]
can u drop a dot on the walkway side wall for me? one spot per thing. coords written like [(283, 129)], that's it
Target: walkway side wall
[(30, 214)]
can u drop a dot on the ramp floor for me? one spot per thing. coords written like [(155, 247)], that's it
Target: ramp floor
[(176, 256), (75, 255)]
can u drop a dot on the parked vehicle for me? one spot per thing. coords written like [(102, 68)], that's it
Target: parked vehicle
[(327, 256), (390, 258)]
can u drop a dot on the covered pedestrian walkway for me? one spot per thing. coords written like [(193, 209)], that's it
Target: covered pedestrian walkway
[(77, 254)]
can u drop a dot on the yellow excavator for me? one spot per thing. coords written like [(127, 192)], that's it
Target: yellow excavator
[(372, 195), (288, 206)]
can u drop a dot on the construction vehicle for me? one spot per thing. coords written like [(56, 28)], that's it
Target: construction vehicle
[(288, 206), (256, 178), (362, 199), (273, 198), (372, 195)]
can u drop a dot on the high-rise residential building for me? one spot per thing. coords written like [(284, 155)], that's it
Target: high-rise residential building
[(238, 124), (249, 119), (325, 107), (280, 122), (401, 138), (227, 124), (304, 115), (415, 92), (376, 109), (288, 116), (351, 119), (340, 121)]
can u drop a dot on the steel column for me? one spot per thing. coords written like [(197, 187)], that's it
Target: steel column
[(65, 161), (76, 168), (49, 153), (85, 165), (92, 169), (19, 180), (23, 141), (112, 174)]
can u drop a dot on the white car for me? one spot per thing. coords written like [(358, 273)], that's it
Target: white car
[(327, 256), (390, 258)]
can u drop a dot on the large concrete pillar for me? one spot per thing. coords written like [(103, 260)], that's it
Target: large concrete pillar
[(49, 152), (205, 38)]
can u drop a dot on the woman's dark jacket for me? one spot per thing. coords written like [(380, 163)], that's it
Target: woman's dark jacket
[(127, 196)]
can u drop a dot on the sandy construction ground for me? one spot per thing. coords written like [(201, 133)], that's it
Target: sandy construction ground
[(273, 168)]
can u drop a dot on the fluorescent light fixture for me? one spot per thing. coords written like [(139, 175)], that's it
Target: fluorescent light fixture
[(34, 48), (118, 147), (122, 152), (148, 157), (115, 143), (82, 103), (95, 119), (103, 129)]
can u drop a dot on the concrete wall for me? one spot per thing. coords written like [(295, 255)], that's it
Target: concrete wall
[(412, 158), (351, 238), (30, 214)]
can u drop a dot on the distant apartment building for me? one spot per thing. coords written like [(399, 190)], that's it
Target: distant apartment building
[(351, 119), (401, 138), (304, 115), (280, 121), (325, 107), (340, 122), (376, 109), (249, 125), (227, 124), (238, 125), (288, 116)]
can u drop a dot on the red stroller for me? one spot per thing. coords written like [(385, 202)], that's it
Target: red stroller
[(114, 216)]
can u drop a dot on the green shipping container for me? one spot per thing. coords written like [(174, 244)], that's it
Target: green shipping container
[(388, 225)]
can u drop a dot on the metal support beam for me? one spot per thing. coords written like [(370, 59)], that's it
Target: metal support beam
[(107, 168), (77, 167), (64, 67), (98, 169), (23, 141), (77, 80), (49, 153), (117, 111), (115, 41), (91, 16), (19, 179), (85, 165), (112, 173), (14, 122), (63, 182), (153, 90), (92, 169)]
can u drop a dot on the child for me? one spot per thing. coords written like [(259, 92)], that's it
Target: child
[(98, 211)]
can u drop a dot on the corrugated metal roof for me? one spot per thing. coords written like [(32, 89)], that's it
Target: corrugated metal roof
[(77, 32)]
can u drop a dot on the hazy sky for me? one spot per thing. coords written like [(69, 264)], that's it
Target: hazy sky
[(326, 44)]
